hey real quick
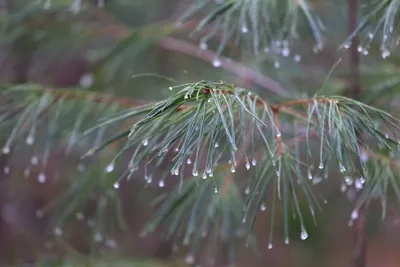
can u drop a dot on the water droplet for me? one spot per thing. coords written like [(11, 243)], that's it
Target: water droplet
[(263, 207), (321, 166), (297, 58), (42, 178), (149, 179), (203, 45), (244, 220), (215, 190), (343, 188), (188, 161), (204, 176), (266, 50), (309, 175), (270, 246), (233, 168), (86, 80), (286, 240), (370, 35), (6, 150), (317, 180), (145, 142), (385, 53), (364, 156), (189, 259), (110, 167), (285, 51), (195, 173), (245, 29), (98, 237), (354, 215), (116, 185), (303, 234), (170, 88), (30, 140), (277, 65), (342, 169), (247, 190), (247, 165), (216, 63), (216, 145), (362, 180), (254, 162), (359, 49), (347, 45), (34, 160), (58, 231), (278, 134), (358, 185), (386, 136), (365, 52), (176, 171), (80, 216), (39, 214), (176, 149), (348, 180), (6, 170)]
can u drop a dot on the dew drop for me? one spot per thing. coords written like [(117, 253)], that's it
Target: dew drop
[(215, 190), (42, 178), (270, 246), (278, 134), (80, 216), (347, 45), (286, 241), (203, 45), (245, 29), (233, 168), (365, 52), (176, 171), (362, 180), (189, 259), (247, 165), (254, 162), (303, 234), (176, 149), (309, 175), (285, 51), (266, 50), (98, 237), (170, 88), (188, 161), (204, 176), (342, 169), (247, 190), (216, 145), (263, 207), (30, 140), (348, 180), (216, 63), (297, 58), (358, 185), (58, 231), (110, 167), (149, 179), (6, 150), (34, 160), (385, 53), (145, 142), (161, 183), (195, 173), (343, 188), (6, 170), (370, 35), (116, 185), (321, 166), (277, 65), (359, 49)]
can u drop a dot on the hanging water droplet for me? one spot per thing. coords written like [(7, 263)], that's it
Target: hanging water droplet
[(370, 35), (245, 29), (277, 65), (233, 168), (42, 178), (6, 170), (286, 240), (297, 58), (80, 216), (216, 145), (386, 136), (216, 63), (359, 49), (247, 190), (364, 156), (303, 234), (6, 150), (266, 50), (278, 134), (342, 169), (285, 51), (39, 214), (247, 165), (176, 149), (116, 185), (321, 166), (385, 53), (203, 45), (316, 180), (254, 162), (358, 185), (176, 171), (354, 215), (98, 237), (270, 246), (170, 88), (263, 207), (58, 231), (309, 175), (149, 179), (189, 259), (204, 176), (34, 160), (365, 52), (343, 188), (145, 142), (362, 180), (30, 140), (188, 161), (110, 167), (348, 180), (195, 173), (347, 45), (244, 220), (215, 190)]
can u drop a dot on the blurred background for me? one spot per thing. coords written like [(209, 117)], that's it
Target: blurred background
[(57, 45)]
